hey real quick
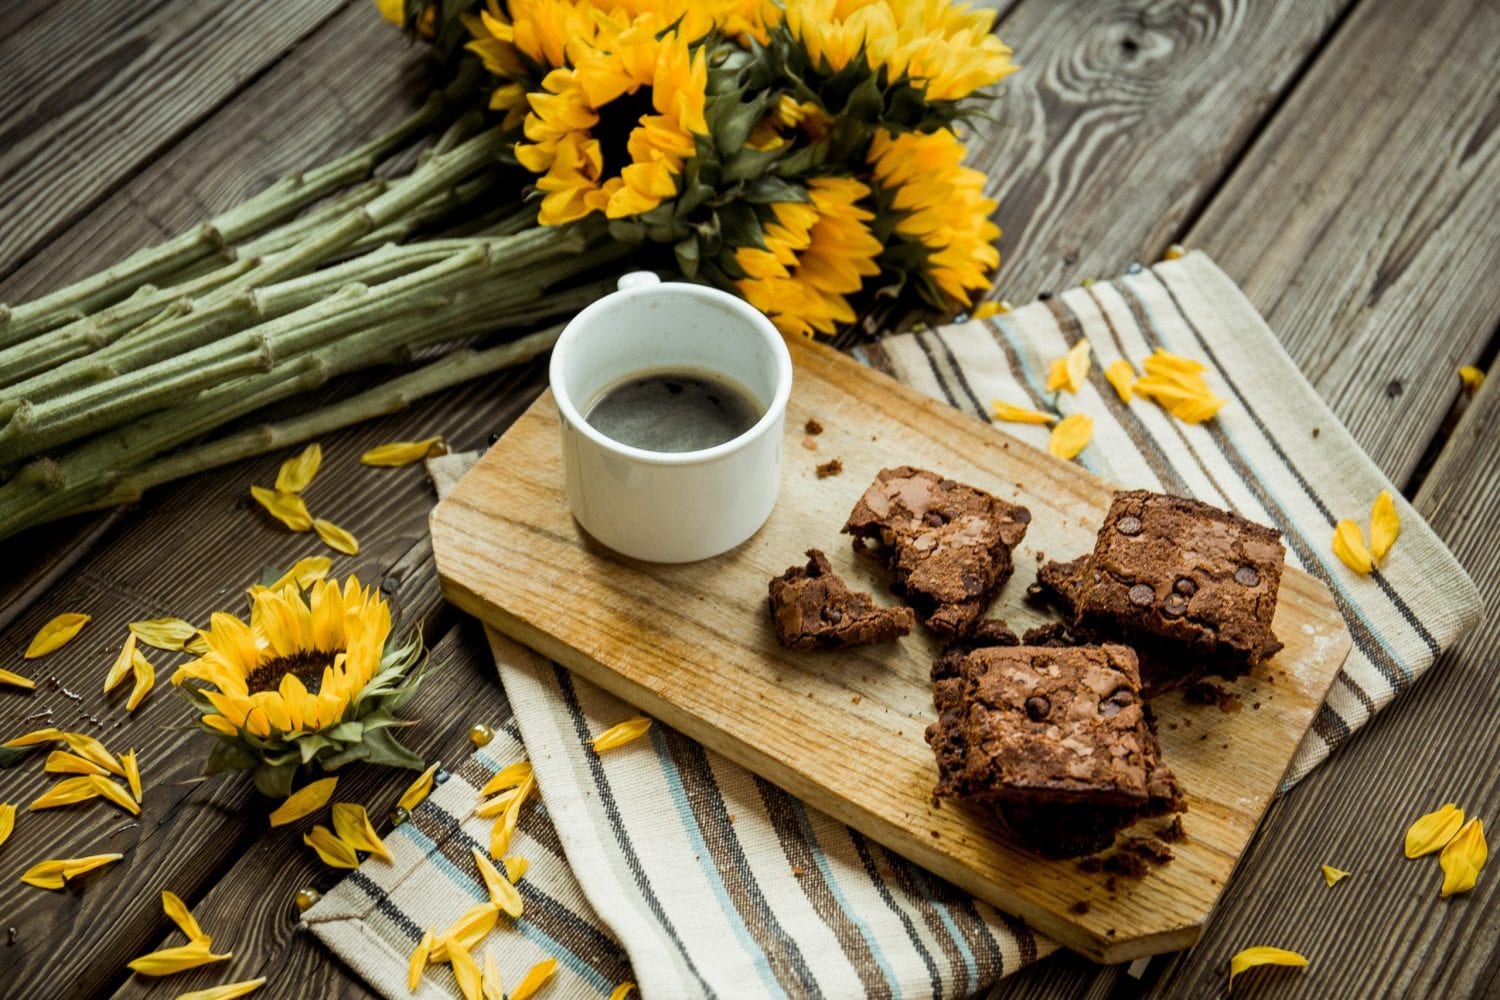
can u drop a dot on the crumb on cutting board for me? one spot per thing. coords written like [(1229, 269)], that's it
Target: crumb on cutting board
[(832, 467)]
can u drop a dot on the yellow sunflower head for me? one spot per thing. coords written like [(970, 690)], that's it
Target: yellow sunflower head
[(308, 678), (939, 205), (817, 254)]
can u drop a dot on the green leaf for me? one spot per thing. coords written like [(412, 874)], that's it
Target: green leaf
[(275, 781), (229, 755), (310, 746), (748, 163), (686, 252), (11, 756), (765, 190), (346, 732), (387, 750), (741, 227)]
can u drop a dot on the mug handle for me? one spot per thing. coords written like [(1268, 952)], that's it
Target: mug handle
[(637, 279)]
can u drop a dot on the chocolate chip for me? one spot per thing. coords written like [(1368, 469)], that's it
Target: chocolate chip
[(1246, 576), (973, 585), (1185, 586), (1037, 707), (1175, 606), (936, 519), (1128, 525), (1118, 698), (833, 615), (1142, 594)]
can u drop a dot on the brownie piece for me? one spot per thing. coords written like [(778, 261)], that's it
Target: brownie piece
[(811, 608), (947, 544)]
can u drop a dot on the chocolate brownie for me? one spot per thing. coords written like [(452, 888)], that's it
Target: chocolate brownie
[(947, 544), (812, 608)]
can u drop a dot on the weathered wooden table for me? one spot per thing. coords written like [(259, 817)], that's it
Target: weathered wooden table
[(1339, 158)]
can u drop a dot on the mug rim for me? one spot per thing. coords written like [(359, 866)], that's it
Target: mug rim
[(756, 319)]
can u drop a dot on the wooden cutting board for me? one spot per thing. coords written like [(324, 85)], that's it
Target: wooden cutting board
[(692, 646)]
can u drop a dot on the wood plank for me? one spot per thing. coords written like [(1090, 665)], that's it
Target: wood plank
[(1362, 222), (509, 551)]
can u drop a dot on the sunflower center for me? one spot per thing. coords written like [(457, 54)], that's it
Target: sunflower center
[(614, 128), (307, 665)]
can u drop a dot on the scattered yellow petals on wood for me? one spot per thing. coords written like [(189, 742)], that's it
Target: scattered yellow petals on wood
[(503, 892), (466, 971), (31, 739), (16, 680), (1349, 546), (515, 868), (85, 745), (304, 573), (297, 472), (618, 735), (493, 988), (336, 538), (7, 820), (399, 453), (1433, 831), (985, 310), (1071, 371), (508, 776), (1385, 525), (417, 790), (304, 801), (145, 680), (1122, 377), (55, 634), (173, 960), (180, 915), (228, 991), (1462, 858), (534, 979), (468, 930), (331, 849), (353, 826), (109, 790), (1333, 875), (621, 991), (63, 762), (170, 634), (121, 667), (1472, 378), (54, 874), (1262, 955), (288, 508), (1012, 414), (69, 791), (1071, 436), (418, 962), (132, 773)]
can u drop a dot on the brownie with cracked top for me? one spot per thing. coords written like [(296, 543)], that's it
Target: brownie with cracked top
[(947, 544), (811, 608)]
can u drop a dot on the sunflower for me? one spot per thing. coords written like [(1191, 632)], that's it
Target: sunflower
[(817, 253), (535, 37), (940, 204), (304, 680)]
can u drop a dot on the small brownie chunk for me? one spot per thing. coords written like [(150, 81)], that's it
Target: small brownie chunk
[(947, 544), (811, 608)]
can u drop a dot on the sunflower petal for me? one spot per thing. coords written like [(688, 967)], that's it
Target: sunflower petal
[(145, 680), (288, 508), (178, 911), (502, 891), (508, 776), (1262, 955), (1333, 875), (227, 991), (173, 960), (304, 801), (1071, 436), (1472, 378), (466, 971), (297, 472), (418, 790), (1122, 377), (468, 930), (119, 796), (1433, 831), (1012, 414), (53, 874), (63, 762), (492, 988), (418, 962), (16, 680), (336, 538), (399, 453), (170, 634), (352, 824), (55, 634), (1462, 858), (625, 732), (1349, 546), (31, 739), (7, 820), (621, 991), (535, 978), (132, 773), (121, 667), (515, 867), (69, 791), (1385, 525), (85, 745), (304, 573), (331, 849)]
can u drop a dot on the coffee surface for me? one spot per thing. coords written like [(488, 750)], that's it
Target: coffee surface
[(674, 410)]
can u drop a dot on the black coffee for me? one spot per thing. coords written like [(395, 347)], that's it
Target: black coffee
[(674, 410)]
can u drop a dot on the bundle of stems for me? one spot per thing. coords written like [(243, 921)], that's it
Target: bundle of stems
[(118, 382)]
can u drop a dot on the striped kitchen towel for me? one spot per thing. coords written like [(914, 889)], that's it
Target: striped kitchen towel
[(716, 883)]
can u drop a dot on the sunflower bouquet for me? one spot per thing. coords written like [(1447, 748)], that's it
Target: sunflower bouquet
[(805, 154)]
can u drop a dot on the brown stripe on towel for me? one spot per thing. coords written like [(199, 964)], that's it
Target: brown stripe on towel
[(996, 327), (900, 874)]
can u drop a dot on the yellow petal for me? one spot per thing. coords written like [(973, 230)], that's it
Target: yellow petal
[(1122, 377), (1057, 374), (502, 891), (36, 736), (331, 849), (1462, 858), (55, 634), (1163, 362), (466, 971), (132, 773), (1198, 409), (492, 987), (468, 930), (1472, 378), (515, 868), (67, 792), (418, 962), (535, 977), (228, 991), (1349, 546), (626, 732), (85, 745), (1433, 831), (399, 453), (109, 790), (304, 573), (121, 668), (336, 538), (16, 680), (1012, 414), (507, 777), (288, 508), (173, 960), (496, 805), (7, 820), (621, 991), (54, 874), (296, 472), (304, 801), (417, 790), (145, 680), (1333, 875), (171, 634), (63, 762), (1385, 525), (353, 826), (1071, 436), (985, 310), (1252, 957), (176, 909)]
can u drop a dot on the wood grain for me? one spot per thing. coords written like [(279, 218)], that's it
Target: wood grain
[(692, 645)]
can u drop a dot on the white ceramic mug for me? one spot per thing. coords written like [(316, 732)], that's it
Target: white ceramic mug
[(670, 507)]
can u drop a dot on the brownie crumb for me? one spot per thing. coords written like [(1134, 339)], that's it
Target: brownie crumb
[(1110, 885), (812, 426), (832, 467), (810, 443), (1082, 906), (1093, 864), (1204, 693), (1173, 831), (797, 871), (1148, 849), (855, 700), (812, 609), (730, 817)]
